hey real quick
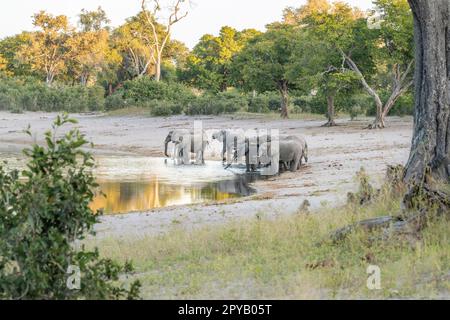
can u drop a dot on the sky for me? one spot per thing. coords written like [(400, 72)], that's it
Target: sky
[(205, 16)]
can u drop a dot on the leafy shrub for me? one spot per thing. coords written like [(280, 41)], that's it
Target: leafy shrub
[(404, 105), (44, 212), (147, 89), (165, 108), (258, 104), (265, 102), (28, 95), (311, 104), (222, 103)]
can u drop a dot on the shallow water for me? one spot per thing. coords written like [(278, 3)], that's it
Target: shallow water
[(130, 184), (141, 184)]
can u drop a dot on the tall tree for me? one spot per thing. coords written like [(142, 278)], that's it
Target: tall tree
[(430, 152), (88, 50), (176, 14), (93, 20), (9, 48), (393, 52), (264, 64), (47, 50), (208, 66)]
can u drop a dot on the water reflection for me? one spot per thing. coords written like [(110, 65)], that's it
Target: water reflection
[(133, 193), (122, 197)]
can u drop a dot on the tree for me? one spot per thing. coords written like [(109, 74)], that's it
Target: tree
[(46, 52), (176, 14), (264, 64), (209, 64), (430, 151), (93, 20), (87, 54), (89, 47), (296, 16), (9, 47), (135, 43), (393, 52), (3, 64), (323, 71)]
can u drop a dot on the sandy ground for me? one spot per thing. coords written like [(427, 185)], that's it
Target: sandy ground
[(336, 154)]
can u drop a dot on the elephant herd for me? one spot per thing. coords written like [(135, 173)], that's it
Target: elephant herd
[(278, 152)]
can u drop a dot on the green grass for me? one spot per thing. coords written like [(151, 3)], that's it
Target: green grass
[(283, 259)]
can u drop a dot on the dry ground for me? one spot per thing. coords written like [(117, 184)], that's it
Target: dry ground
[(336, 154)]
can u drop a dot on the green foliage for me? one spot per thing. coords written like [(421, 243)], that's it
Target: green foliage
[(264, 102), (222, 103), (30, 95), (209, 66), (146, 89), (44, 214), (263, 63), (311, 104)]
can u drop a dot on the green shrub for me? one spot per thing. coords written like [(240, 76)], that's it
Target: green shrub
[(29, 95), (222, 103), (265, 102), (147, 89), (44, 213), (311, 104)]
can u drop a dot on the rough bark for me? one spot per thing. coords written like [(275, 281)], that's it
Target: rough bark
[(330, 112), (284, 99), (430, 151)]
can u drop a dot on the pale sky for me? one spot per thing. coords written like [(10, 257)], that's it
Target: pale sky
[(206, 16)]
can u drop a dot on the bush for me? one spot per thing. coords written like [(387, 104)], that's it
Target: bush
[(222, 103), (165, 108), (147, 89), (311, 104), (264, 103), (44, 212), (29, 95)]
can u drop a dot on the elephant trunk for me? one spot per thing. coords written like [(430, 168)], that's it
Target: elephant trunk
[(166, 143)]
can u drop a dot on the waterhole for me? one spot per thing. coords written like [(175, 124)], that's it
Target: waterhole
[(142, 184), (138, 184)]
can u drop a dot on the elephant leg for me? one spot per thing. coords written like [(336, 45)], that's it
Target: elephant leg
[(295, 164)]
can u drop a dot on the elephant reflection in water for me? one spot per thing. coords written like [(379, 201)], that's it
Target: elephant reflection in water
[(238, 186)]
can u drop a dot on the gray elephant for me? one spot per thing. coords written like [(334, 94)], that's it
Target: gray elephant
[(233, 144), (186, 140), (290, 153)]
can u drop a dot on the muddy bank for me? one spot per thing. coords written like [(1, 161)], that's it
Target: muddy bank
[(335, 156)]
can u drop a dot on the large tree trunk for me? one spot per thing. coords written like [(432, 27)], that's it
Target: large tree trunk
[(331, 113), (284, 99), (430, 150)]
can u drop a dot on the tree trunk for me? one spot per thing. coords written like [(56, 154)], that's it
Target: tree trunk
[(158, 69), (331, 113), (284, 99), (430, 151)]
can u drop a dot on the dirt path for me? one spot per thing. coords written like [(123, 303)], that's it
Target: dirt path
[(336, 154)]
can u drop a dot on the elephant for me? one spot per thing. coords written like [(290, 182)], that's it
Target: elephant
[(182, 139), (290, 153), (303, 144), (233, 144)]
